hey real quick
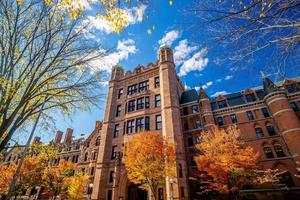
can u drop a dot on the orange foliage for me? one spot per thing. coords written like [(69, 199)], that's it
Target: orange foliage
[(7, 173), (149, 159), (57, 179), (226, 159)]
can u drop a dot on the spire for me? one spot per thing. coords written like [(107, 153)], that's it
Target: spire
[(202, 94), (268, 85)]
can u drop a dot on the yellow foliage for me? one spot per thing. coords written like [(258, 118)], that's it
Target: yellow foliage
[(77, 186), (149, 157)]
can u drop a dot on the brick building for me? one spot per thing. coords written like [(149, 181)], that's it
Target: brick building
[(153, 98), (81, 151)]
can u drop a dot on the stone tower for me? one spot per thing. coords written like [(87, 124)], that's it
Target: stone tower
[(171, 128), (286, 119), (205, 109)]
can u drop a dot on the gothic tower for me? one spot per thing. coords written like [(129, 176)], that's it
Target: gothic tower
[(176, 188), (205, 109)]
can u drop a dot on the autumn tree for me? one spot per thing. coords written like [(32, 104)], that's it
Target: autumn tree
[(149, 160), (43, 57), (77, 187), (37, 159), (227, 163), (57, 179), (245, 30)]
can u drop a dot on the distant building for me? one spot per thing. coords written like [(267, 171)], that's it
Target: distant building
[(152, 98), (83, 152)]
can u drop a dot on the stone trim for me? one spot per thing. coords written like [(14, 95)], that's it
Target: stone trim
[(276, 99), (290, 130), (280, 111)]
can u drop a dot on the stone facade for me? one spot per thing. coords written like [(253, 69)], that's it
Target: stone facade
[(153, 98)]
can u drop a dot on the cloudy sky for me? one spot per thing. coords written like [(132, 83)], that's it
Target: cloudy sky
[(196, 62)]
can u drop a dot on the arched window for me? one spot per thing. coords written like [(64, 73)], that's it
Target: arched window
[(86, 156), (278, 150), (98, 140), (268, 152)]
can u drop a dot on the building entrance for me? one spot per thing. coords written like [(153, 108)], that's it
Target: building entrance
[(135, 193)]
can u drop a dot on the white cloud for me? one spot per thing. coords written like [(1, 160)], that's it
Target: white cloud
[(135, 15), (169, 38), (219, 93), (204, 86), (219, 80), (196, 63), (123, 50), (228, 77), (182, 51)]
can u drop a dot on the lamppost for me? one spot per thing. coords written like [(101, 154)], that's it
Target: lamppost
[(171, 187), (90, 190)]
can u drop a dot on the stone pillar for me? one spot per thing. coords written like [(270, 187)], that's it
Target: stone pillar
[(171, 122)]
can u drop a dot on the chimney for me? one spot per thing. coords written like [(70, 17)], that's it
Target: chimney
[(36, 139), (68, 136), (58, 137), (98, 124)]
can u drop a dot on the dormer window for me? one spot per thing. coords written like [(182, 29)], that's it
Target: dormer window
[(250, 97), (222, 104), (291, 88)]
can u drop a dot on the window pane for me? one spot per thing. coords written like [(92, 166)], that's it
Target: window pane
[(222, 104), (265, 112), (147, 102), (233, 118), (279, 151), (268, 152), (271, 130), (158, 121), (220, 121), (195, 109), (156, 80), (259, 132), (250, 115), (147, 123), (157, 100)]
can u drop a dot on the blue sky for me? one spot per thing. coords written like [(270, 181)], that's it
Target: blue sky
[(196, 62)]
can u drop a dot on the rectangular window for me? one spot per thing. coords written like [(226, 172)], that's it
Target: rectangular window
[(250, 115), (271, 130), (118, 112), (144, 86), (268, 152), (259, 133), (233, 118), (198, 124), (195, 109), (278, 150), (156, 82), (95, 155), (117, 130), (147, 123), (182, 191), (220, 121), (140, 103), (222, 104), (109, 195), (111, 176), (160, 194), (265, 112), (186, 126), (190, 142), (185, 111), (180, 170), (121, 91), (130, 126), (193, 163), (158, 122), (92, 171), (139, 125), (132, 89), (131, 106), (114, 152), (147, 102), (294, 106), (250, 97), (157, 100)]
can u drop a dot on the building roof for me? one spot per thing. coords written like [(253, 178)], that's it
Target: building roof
[(188, 96), (237, 98)]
